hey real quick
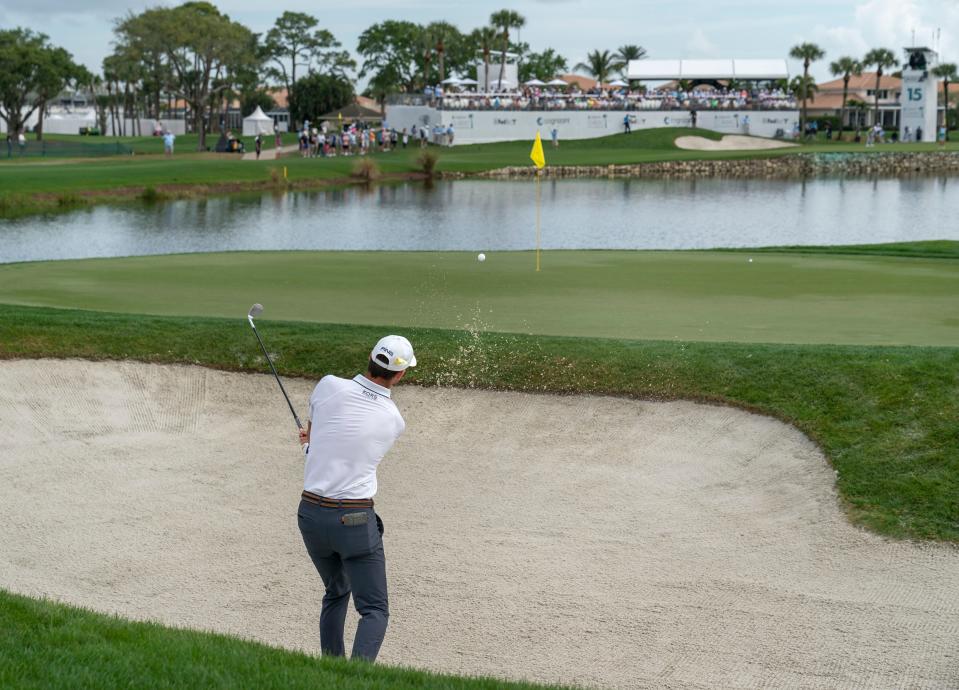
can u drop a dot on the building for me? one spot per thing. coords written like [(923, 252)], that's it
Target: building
[(862, 89)]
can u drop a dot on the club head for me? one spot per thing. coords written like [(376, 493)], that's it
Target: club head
[(256, 310)]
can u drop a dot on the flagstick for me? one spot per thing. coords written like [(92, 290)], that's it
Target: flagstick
[(539, 174)]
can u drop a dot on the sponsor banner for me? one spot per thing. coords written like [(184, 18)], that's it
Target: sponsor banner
[(481, 126)]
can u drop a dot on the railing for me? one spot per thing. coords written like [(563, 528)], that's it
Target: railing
[(55, 148), (520, 102)]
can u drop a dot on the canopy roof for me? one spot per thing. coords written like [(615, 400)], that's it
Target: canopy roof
[(708, 69), (258, 116)]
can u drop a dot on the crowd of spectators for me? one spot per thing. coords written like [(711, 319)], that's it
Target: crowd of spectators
[(669, 98)]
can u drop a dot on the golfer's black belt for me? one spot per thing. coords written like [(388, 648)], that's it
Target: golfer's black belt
[(325, 502)]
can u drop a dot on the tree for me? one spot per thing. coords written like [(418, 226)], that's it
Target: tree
[(294, 41), (808, 53), (33, 72), (504, 20), (204, 50), (629, 52), (600, 65), (484, 39), (317, 94), (543, 66), (804, 88), (859, 108), (390, 50), (947, 72), (444, 35), (881, 58), (845, 67)]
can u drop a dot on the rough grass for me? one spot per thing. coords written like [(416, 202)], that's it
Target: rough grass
[(49, 645), (885, 416)]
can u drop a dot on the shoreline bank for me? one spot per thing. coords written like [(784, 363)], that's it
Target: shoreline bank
[(789, 166), (771, 165)]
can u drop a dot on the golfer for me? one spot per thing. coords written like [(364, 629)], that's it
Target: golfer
[(353, 423)]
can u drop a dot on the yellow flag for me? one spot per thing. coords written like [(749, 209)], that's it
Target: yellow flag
[(537, 153)]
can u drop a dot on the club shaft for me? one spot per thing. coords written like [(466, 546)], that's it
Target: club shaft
[(299, 424)]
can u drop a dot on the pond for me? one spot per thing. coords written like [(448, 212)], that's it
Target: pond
[(484, 215)]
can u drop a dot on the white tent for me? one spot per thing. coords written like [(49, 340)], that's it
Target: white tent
[(257, 122), (450, 81), (556, 82), (617, 82), (535, 82)]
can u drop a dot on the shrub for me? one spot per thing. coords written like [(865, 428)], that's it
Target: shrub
[(427, 162), (366, 169), (150, 195)]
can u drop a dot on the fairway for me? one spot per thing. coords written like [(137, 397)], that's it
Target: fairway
[(686, 296)]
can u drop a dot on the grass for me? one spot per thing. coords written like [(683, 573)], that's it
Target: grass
[(660, 295), (29, 184), (49, 645), (884, 416)]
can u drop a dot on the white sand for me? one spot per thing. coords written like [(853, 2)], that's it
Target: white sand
[(599, 541), (731, 142)]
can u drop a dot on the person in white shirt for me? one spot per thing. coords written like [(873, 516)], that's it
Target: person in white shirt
[(353, 424)]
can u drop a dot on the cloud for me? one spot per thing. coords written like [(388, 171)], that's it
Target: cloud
[(892, 24), (699, 44)]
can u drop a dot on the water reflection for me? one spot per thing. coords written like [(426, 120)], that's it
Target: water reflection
[(486, 215)]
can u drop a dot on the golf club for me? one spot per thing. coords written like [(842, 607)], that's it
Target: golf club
[(256, 310)]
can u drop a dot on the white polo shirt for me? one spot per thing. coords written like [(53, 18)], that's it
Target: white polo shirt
[(355, 423)]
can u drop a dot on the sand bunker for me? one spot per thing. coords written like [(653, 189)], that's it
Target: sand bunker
[(731, 142), (598, 541)]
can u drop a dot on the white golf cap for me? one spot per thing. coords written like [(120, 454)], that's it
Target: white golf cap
[(394, 352)]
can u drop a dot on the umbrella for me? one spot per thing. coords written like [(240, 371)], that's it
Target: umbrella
[(556, 82), (468, 82), (618, 82), (535, 82), (451, 80)]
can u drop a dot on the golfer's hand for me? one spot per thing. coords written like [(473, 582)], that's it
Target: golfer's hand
[(304, 437)]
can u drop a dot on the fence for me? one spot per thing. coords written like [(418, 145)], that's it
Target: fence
[(64, 149)]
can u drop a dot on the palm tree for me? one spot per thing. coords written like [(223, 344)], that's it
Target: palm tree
[(808, 53), (484, 38), (504, 20), (426, 45), (846, 67), (442, 32), (881, 58), (629, 52), (947, 72), (804, 88), (600, 65)]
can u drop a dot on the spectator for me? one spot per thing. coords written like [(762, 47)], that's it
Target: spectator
[(406, 138), (9, 145), (942, 134), (168, 139), (449, 134), (258, 145), (918, 134), (626, 128), (554, 135)]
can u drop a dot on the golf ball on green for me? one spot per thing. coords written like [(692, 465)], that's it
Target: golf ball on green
[(481, 257)]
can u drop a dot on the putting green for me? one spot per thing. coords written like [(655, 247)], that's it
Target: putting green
[(706, 296)]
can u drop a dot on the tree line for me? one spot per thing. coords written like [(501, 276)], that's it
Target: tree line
[(846, 67), (195, 55)]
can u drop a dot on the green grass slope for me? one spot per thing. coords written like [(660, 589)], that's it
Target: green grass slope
[(657, 295), (48, 645)]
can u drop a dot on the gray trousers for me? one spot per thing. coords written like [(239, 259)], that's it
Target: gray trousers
[(350, 559)]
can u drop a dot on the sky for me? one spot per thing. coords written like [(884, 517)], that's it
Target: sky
[(666, 28)]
